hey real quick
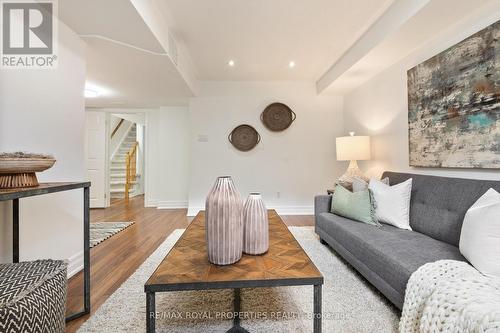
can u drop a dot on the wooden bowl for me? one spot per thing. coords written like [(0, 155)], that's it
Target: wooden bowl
[(21, 172)]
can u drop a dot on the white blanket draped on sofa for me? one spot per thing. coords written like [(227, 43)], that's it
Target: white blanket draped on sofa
[(450, 296)]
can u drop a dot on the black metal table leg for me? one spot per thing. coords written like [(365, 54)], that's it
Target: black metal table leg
[(237, 308), (150, 312), (86, 257), (317, 308), (15, 230), (86, 248)]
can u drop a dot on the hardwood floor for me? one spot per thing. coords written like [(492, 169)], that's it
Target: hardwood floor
[(115, 259)]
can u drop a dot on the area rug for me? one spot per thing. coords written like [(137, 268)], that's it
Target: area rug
[(350, 303), (100, 231)]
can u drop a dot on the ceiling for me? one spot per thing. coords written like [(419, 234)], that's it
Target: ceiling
[(434, 18), (126, 64), (131, 78), (115, 19), (127, 39), (263, 36)]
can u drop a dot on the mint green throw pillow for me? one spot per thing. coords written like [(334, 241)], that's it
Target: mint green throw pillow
[(358, 206)]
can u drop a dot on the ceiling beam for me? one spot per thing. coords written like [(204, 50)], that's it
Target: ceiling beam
[(159, 25), (392, 19)]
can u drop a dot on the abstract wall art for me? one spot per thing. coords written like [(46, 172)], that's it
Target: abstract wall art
[(454, 105)]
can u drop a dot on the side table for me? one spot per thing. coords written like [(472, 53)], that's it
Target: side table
[(45, 188)]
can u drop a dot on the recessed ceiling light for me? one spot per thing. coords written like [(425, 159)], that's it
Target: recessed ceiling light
[(89, 93), (231, 63), (291, 64)]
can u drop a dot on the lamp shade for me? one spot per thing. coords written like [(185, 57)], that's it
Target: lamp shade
[(353, 148)]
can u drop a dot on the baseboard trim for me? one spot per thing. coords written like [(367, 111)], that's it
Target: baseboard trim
[(172, 204), (281, 210), (294, 210), (75, 264), (151, 203)]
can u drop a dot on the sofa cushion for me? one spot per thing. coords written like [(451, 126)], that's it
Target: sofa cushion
[(480, 237), (359, 184), (438, 204), (392, 202), (358, 206), (392, 253)]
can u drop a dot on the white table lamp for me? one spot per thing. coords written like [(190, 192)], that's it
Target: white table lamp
[(352, 148)]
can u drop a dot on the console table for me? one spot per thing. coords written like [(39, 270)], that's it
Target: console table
[(45, 188)]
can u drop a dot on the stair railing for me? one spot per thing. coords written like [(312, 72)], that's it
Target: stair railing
[(131, 168), (116, 128)]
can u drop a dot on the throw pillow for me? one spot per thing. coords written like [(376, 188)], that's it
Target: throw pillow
[(392, 202), (355, 206), (359, 184), (480, 237)]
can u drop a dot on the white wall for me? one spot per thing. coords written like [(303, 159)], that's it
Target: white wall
[(298, 163), (43, 111), (167, 157), (379, 107)]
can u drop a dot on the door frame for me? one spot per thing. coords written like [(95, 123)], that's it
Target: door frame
[(107, 163), (106, 154), (109, 112)]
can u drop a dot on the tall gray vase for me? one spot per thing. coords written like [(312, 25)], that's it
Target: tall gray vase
[(255, 225), (224, 223)]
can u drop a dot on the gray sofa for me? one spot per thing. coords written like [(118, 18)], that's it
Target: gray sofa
[(387, 256)]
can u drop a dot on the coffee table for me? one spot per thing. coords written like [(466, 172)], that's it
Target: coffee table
[(186, 267)]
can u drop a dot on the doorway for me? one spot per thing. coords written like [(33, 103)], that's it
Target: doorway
[(114, 155)]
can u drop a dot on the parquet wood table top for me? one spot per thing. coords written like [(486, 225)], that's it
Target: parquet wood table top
[(186, 266)]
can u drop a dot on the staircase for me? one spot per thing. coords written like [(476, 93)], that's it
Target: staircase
[(118, 169)]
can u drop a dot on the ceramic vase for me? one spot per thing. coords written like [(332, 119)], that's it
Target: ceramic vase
[(224, 223), (255, 225)]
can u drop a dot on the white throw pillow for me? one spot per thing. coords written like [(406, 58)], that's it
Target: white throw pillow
[(480, 237), (392, 202), (359, 185)]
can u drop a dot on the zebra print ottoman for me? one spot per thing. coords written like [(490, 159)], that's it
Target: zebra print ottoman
[(33, 297)]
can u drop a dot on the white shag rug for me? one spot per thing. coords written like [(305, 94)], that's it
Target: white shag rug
[(350, 304)]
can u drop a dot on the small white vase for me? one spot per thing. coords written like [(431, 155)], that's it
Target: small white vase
[(224, 223), (255, 225)]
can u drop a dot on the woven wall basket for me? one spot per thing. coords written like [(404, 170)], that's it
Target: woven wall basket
[(244, 137), (21, 172), (277, 117)]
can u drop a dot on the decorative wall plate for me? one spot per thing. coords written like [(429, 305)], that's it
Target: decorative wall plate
[(244, 137), (277, 117)]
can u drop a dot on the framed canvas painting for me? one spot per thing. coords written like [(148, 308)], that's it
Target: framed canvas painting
[(454, 105)]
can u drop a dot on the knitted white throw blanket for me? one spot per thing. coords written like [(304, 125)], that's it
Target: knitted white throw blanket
[(451, 296)]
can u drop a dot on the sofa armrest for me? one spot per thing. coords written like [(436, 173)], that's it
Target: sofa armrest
[(322, 204)]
